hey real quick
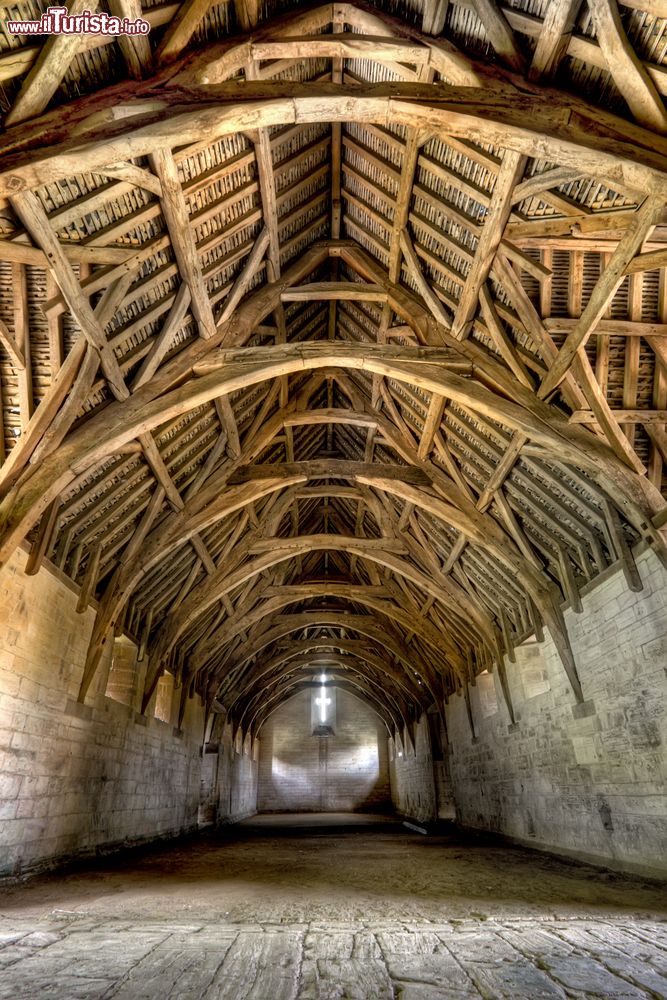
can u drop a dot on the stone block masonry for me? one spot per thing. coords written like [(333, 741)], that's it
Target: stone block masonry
[(586, 780), (413, 786), (346, 771), (76, 778)]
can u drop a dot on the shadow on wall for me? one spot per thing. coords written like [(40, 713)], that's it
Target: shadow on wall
[(344, 772)]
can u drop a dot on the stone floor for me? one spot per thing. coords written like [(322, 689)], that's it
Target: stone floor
[(332, 907)]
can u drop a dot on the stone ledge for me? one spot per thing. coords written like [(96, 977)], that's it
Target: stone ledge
[(178, 733), (141, 720), (583, 709), (78, 710), (513, 727)]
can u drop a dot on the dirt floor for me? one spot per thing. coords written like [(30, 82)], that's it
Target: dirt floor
[(332, 907)]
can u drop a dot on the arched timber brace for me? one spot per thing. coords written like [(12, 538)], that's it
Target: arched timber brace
[(332, 344)]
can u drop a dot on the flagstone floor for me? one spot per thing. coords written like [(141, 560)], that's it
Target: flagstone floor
[(332, 908)]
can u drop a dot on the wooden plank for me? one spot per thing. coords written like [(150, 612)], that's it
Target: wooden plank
[(326, 468), (45, 76), (29, 209), (136, 49), (603, 292), (182, 240), (327, 291), (87, 592), (553, 39), (22, 339), (499, 34), (625, 66), (488, 243)]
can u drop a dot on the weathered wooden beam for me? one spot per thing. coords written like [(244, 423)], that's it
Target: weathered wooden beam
[(48, 70), (182, 239), (623, 551), (500, 338), (431, 425), (22, 339), (247, 274), (553, 39), (43, 540), (136, 49), (492, 232), (89, 580), (165, 337), (560, 129), (499, 33), (610, 327), (603, 292), (29, 209), (625, 66), (326, 468), (327, 291), (623, 416)]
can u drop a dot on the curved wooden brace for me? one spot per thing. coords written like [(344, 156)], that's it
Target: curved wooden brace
[(367, 625), (152, 114), (112, 429), (326, 647), (372, 689), (358, 657), (267, 607), (380, 551), (492, 539), (131, 571), (284, 693)]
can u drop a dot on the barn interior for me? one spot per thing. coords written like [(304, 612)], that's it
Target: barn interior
[(333, 431)]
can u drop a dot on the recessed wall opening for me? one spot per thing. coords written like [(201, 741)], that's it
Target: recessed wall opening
[(333, 499)]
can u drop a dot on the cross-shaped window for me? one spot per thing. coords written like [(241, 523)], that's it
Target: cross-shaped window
[(323, 701)]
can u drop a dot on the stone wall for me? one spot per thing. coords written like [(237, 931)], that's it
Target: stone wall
[(343, 772), (234, 772), (413, 788), (586, 780), (76, 778)]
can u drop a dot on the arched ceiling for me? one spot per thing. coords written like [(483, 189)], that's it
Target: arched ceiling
[(335, 338)]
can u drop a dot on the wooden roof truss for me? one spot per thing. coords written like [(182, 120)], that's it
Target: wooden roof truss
[(331, 341)]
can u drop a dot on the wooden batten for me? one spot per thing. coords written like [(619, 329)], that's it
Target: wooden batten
[(334, 340)]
